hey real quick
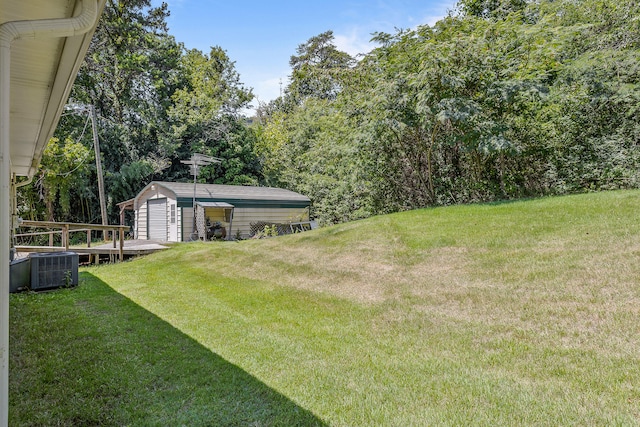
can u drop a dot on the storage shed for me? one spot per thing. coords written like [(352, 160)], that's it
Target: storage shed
[(164, 211)]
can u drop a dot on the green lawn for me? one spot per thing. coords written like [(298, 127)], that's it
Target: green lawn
[(524, 313)]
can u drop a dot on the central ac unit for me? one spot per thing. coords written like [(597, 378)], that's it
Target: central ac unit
[(53, 270)]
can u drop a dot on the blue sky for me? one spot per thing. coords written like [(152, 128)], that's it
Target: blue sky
[(261, 36)]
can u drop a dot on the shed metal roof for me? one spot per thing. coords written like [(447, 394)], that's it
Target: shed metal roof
[(231, 192)]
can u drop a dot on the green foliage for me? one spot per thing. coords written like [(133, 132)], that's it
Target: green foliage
[(502, 99), (213, 87), (205, 118), (156, 104), (507, 99), (316, 69), (312, 150), (495, 9), (128, 75), (271, 231), (64, 170), (126, 183)]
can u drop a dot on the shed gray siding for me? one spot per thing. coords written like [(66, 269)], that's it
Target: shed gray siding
[(243, 217)]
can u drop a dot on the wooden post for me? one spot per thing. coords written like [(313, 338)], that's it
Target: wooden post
[(65, 237), (51, 238), (121, 244), (89, 240)]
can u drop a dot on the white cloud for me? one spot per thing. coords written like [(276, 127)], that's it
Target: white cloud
[(439, 12), (354, 42), (357, 39), (431, 20), (267, 90)]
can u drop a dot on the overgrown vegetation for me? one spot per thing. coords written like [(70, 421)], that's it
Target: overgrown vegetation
[(503, 99), (497, 314)]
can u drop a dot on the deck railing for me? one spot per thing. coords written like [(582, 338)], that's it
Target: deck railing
[(66, 228)]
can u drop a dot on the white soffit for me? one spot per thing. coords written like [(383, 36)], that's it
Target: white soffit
[(42, 73)]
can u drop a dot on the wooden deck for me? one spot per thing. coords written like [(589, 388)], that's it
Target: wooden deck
[(117, 249), (131, 248)]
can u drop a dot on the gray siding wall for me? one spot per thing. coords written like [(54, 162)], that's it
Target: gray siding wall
[(187, 223), (243, 217)]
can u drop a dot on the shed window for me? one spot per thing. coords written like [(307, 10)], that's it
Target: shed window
[(173, 213)]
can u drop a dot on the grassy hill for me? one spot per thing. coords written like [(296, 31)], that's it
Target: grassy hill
[(502, 314)]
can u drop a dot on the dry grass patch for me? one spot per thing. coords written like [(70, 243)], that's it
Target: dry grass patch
[(367, 272)]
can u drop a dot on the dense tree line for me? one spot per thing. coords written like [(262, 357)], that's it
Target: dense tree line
[(502, 99)]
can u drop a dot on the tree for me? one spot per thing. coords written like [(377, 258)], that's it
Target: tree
[(316, 68), (306, 143), (206, 118), (509, 98), (491, 9), (129, 76), (438, 113), (312, 150), (62, 175)]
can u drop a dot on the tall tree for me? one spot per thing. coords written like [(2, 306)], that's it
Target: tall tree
[(312, 150), (315, 70), (306, 143), (129, 75), (207, 117)]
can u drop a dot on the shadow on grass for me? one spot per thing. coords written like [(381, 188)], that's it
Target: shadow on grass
[(90, 356)]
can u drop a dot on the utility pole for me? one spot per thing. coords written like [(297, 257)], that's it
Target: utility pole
[(96, 148)]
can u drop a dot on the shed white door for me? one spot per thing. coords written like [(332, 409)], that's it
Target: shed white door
[(157, 215)]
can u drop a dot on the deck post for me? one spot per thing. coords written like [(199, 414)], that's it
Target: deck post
[(65, 237), (121, 244)]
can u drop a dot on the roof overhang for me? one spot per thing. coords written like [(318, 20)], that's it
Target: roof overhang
[(42, 74), (215, 205)]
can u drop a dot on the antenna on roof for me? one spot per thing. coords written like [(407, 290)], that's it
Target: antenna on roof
[(197, 160)]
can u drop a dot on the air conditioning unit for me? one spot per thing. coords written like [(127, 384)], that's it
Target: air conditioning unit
[(53, 270), (19, 274)]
